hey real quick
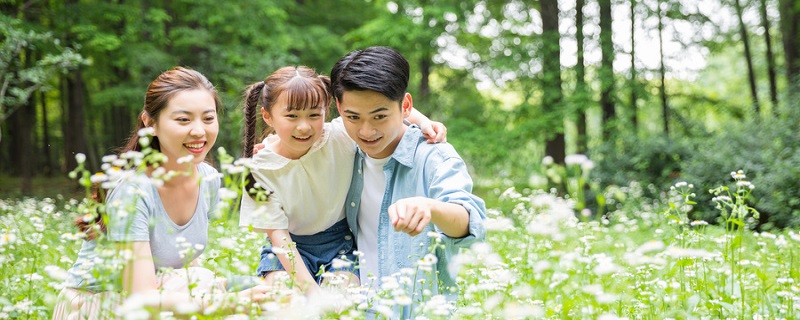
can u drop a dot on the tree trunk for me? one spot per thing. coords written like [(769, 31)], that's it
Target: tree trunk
[(581, 90), (47, 167), (634, 108), (20, 132), (424, 83), (74, 134), (607, 69), (773, 88), (790, 23), (551, 79), (748, 57), (662, 70)]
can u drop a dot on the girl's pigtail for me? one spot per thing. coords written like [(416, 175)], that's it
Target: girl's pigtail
[(252, 96)]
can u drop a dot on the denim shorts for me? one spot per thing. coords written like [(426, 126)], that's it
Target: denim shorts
[(317, 250)]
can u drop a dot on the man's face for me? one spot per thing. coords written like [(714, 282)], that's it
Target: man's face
[(374, 121)]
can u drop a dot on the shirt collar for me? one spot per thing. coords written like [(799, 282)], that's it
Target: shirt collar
[(407, 148)]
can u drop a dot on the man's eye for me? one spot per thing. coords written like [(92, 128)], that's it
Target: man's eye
[(352, 117), (380, 116)]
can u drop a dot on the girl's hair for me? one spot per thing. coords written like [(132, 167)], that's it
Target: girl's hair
[(159, 93), (305, 89)]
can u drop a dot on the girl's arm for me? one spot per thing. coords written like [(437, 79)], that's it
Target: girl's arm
[(280, 238), (435, 131)]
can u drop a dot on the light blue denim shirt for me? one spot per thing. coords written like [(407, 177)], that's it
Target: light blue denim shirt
[(435, 171)]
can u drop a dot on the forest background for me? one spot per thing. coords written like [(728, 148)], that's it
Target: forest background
[(653, 91)]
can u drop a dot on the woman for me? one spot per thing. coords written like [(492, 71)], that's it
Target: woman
[(158, 226)]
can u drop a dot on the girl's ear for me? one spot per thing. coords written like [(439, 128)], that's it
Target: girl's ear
[(148, 121), (265, 115)]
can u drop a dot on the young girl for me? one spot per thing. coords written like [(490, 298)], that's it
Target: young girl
[(157, 221), (300, 168)]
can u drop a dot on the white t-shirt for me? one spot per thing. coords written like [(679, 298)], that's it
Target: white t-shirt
[(308, 193), (369, 214)]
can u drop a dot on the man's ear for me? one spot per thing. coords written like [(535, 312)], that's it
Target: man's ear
[(266, 116), (148, 121), (407, 104)]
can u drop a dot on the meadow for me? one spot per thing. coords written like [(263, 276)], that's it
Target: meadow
[(545, 257)]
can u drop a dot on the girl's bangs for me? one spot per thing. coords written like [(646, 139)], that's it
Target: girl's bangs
[(302, 95)]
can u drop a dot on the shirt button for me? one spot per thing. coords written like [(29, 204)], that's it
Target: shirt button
[(341, 251), (348, 237), (352, 204), (359, 171)]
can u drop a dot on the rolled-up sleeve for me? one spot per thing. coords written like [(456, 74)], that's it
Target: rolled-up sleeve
[(451, 183)]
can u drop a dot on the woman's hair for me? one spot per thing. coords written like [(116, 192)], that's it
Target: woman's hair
[(305, 89), (159, 93)]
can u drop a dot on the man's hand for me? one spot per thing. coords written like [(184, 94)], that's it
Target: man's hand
[(435, 131), (411, 215)]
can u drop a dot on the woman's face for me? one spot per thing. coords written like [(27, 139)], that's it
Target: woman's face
[(297, 129), (188, 126)]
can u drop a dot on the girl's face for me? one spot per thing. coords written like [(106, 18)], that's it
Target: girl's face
[(187, 126), (297, 129)]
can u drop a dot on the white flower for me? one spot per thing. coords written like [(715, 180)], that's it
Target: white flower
[(227, 194), (575, 159), (650, 246), (7, 238), (186, 159), (144, 141), (55, 272), (688, 253), (149, 131), (547, 160), (80, 157), (338, 264)]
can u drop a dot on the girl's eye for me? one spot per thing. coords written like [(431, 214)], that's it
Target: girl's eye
[(182, 119), (210, 119), (315, 115), (291, 116)]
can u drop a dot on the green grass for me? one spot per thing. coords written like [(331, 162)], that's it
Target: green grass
[(540, 261), (42, 187)]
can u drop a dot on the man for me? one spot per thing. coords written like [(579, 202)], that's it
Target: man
[(406, 196)]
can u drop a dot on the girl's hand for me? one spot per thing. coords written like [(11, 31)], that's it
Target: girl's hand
[(257, 147), (255, 294), (434, 131)]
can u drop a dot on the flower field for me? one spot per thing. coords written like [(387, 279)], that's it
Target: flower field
[(642, 260)]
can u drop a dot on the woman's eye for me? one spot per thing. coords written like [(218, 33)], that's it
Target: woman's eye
[(182, 119), (210, 119)]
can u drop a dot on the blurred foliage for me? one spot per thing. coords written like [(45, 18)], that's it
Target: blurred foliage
[(475, 65)]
